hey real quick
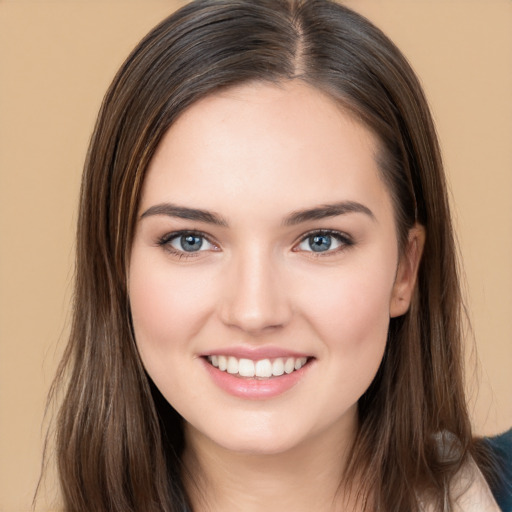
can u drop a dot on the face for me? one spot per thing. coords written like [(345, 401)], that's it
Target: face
[(265, 268)]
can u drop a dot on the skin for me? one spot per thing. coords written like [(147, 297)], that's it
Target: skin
[(255, 155)]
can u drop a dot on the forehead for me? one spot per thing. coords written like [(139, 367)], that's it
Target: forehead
[(289, 145)]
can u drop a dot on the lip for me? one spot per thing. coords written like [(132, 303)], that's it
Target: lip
[(254, 388), (256, 353)]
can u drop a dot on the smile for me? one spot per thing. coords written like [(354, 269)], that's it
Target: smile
[(263, 368)]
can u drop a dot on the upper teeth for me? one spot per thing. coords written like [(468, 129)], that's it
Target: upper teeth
[(261, 368)]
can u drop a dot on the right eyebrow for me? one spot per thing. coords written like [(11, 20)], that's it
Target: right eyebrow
[(182, 212)]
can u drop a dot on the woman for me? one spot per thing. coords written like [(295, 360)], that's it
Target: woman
[(267, 311)]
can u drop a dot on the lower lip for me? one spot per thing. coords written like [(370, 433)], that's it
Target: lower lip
[(255, 389)]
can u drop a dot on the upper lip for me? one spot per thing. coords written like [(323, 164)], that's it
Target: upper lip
[(255, 353)]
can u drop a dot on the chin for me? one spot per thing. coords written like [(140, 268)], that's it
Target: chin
[(256, 438), (260, 447)]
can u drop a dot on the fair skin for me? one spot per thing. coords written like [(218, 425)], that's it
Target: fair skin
[(236, 255)]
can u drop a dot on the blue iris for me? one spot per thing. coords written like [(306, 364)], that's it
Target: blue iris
[(191, 243), (320, 243)]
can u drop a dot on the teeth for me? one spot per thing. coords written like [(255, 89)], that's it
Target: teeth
[(263, 368), (289, 366), (278, 367), (232, 365), (246, 368)]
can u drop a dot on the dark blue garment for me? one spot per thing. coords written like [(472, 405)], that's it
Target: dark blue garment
[(501, 446)]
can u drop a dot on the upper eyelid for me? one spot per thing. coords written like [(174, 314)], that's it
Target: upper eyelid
[(334, 232), (174, 234)]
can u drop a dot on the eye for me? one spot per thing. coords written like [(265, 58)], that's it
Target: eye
[(189, 243), (186, 242), (324, 241)]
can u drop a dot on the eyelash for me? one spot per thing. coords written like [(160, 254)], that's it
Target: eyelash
[(345, 241), (165, 243)]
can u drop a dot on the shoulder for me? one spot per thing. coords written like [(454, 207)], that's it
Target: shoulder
[(470, 491)]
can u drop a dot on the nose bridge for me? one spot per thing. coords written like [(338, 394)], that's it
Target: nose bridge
[(256, 299)]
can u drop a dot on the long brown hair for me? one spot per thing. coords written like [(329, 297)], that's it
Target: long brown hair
[(118, 441)]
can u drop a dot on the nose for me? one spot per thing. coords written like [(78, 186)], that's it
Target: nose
[(255, 299)]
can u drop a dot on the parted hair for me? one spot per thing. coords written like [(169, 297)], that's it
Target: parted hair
[(118, 441)]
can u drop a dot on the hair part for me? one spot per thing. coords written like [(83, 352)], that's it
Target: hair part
[(118, 441)]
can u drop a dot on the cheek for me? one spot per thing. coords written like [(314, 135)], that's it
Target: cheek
[(167, 307), (352, 321), (349, 312), (351, 305)]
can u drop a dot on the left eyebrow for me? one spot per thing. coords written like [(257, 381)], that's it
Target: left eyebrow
[(327, 210)]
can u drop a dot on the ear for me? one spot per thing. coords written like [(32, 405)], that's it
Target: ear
[(407, 271)]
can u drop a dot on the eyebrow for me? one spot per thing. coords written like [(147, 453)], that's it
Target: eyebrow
[(297, 217), (327, 210), (183, 212)]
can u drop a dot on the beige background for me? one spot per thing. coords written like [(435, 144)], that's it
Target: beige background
[(56, 60)]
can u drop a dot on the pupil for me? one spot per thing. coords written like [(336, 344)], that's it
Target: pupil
[(191, 243), (320, 243)]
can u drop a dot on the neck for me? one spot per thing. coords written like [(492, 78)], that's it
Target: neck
[(304, 478)]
